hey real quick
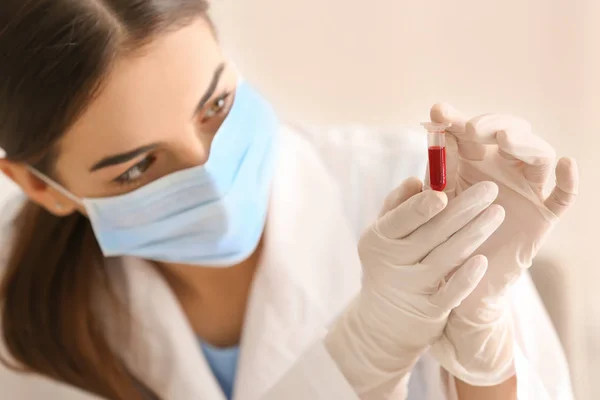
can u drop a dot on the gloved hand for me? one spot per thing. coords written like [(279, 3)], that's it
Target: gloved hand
[(418, 265), (477, 346)]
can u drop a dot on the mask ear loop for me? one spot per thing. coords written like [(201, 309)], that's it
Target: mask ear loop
[(56, 187), (58, 205)]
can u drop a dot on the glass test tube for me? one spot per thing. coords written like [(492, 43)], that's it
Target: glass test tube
[(436, 145)]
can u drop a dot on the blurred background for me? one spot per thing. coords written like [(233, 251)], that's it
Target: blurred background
[(385, 62)]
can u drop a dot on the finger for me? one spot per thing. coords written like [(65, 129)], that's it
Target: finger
[(460, 246), (535, 152), (411, 214), (567, 187), (461, 284), (484, 128), (444, 112), (515, 141), (407, 189), (460, 211)]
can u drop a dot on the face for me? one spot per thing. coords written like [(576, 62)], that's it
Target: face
[(157, 113)]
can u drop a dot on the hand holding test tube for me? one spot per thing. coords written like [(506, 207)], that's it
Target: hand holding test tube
[(478, 342)]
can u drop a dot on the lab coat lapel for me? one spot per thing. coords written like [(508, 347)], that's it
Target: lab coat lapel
[(309, 271), (163, 352)]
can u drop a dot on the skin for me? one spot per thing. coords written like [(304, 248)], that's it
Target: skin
[(151, 98), (504, 391)]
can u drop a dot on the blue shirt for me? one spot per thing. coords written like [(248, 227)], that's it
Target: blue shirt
[(223, 363)]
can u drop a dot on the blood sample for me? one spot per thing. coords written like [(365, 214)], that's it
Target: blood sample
[(436, 144)]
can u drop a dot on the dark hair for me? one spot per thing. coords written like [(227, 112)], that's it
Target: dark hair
[(54, 56)]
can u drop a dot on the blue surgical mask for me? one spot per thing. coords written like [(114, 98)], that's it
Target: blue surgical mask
[(213, 214)]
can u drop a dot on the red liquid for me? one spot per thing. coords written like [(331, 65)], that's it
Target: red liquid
[(437, 167)]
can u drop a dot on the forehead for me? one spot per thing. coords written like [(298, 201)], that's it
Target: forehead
[(145, 96)]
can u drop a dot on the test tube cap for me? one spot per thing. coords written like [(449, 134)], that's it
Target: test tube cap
[(436, 126)]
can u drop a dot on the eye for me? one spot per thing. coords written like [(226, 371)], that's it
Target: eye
[(217, 107), (135, 173)]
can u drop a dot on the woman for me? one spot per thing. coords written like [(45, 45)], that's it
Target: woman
[(178, 243)]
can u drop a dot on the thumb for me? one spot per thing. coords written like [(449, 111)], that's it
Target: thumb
[(566, 189), (444, 112), (461, 283)]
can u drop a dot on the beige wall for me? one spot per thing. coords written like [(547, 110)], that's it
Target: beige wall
[(387, 61)]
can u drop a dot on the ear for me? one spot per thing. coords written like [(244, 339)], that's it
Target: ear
[(37, 190)]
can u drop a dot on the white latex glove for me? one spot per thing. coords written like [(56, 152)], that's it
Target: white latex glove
[(477, 346), (408, 290)]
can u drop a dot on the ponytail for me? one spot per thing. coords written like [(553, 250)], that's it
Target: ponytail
[(55, 57), (55, 273)]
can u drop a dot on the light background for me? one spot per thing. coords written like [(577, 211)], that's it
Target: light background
[(386, 62)]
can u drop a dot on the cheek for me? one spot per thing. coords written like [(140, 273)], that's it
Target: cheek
[(207, 135)]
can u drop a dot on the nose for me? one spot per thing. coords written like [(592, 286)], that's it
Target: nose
[(194, 150)]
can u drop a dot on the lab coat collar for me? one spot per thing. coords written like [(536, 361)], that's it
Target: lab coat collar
[(308, 273), (310, 270)]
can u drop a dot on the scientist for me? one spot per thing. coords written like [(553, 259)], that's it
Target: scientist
[(176, 242)]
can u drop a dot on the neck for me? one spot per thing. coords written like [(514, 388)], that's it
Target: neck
[(214, 299)]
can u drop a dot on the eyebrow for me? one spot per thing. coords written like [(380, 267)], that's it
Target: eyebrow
[(123, 157), (130, 155), (211, 88)]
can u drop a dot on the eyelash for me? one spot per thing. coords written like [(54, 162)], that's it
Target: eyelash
[(135, 173), (221, 103)]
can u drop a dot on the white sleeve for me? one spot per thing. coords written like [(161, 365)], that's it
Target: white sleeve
[(529, 384), (313, 376), (367, 163), (542, 368)]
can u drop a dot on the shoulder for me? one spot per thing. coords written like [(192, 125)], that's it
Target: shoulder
[(11, 199), (355, 154), (408, 140), (11, 202), (365, 163)]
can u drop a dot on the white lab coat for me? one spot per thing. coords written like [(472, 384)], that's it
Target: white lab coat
[(329, 185)]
